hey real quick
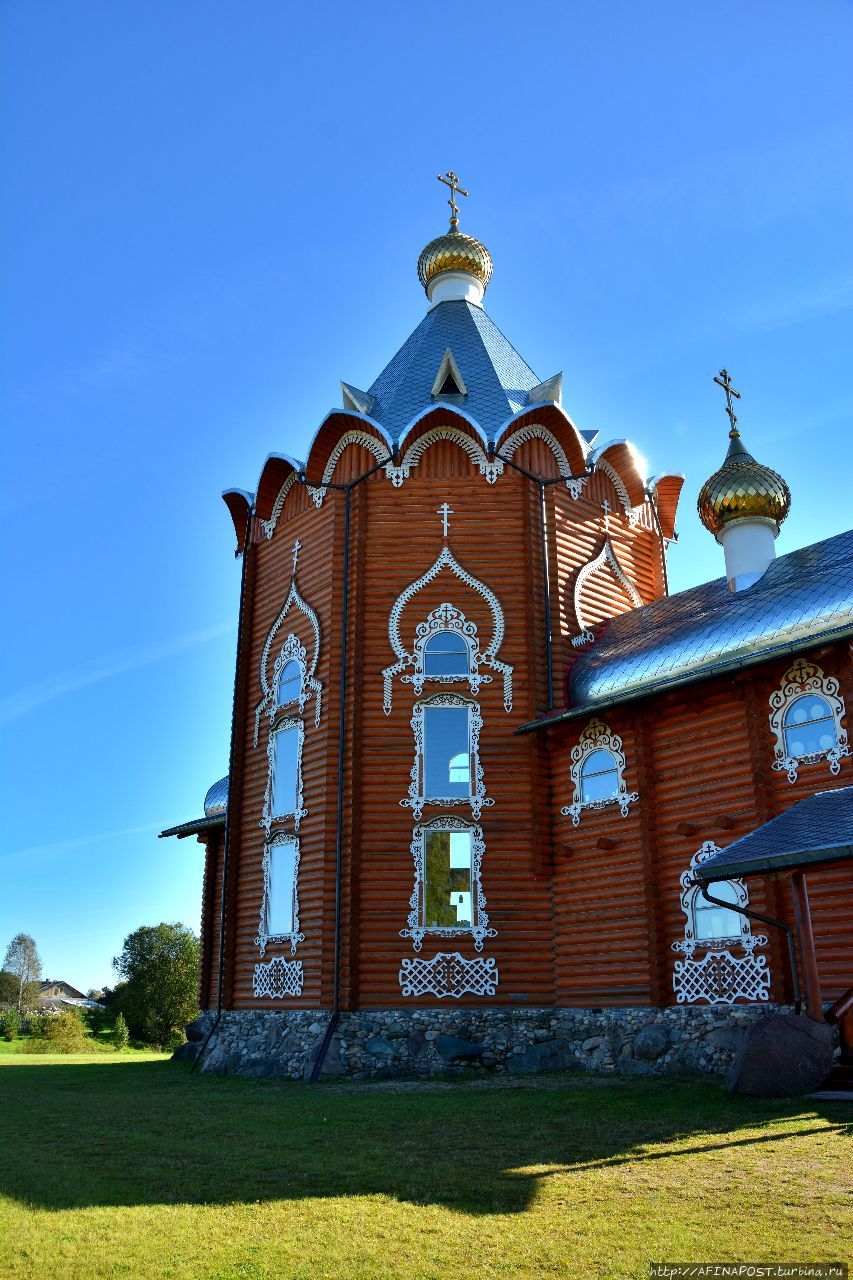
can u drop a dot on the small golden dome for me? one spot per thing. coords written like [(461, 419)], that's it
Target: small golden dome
[(455, 251), (742, 489)]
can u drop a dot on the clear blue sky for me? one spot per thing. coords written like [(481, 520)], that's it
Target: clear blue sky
[(216, 209)]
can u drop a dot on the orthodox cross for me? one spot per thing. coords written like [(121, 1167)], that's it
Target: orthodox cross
[(444, 511), (605, 507), (297, 547), (723, 380), (450, 180)]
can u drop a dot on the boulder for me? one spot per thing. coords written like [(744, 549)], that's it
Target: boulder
[(186, 1052), (215, 1064), (634, 1067), (259, 1068), (782, 1055), (378, 1047), (651, 1043), (553, 1055), (196, 1030), (457, 1049)]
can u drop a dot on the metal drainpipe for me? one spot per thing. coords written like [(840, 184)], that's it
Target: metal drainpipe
[(226, 843), (663, 544), (777, 924)]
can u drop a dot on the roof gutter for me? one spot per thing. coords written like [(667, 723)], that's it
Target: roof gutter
[(708, 874)]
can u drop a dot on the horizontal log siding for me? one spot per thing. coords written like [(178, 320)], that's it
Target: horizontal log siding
[(211, 903)]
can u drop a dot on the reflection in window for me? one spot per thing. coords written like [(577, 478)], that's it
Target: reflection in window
[(447, 753), (599, 777), (447, 879), (711, 922), (446, 654), (285, 771), (290, 682), (280, 900), (809, 726)]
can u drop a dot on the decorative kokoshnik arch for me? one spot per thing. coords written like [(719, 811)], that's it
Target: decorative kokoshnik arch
[(291, 650)]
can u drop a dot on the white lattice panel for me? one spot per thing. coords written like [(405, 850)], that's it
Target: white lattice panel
[(448, 974), (278, 978), (721, 978)]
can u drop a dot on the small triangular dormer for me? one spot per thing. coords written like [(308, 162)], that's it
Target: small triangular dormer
[(448, 380), (548, 392), (357, 400)]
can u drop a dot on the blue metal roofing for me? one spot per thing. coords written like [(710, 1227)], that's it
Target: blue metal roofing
[(496, 378), (817, 829)]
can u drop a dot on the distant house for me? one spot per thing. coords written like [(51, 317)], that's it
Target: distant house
[(56, 995)]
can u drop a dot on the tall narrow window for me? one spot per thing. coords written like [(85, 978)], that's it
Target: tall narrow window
[(447, 879), (446, 654), (447, 753), (281, 907), (285, 771), (290, 682)]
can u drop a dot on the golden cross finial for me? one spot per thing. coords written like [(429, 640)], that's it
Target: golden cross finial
[(450, 180), (723, 380)]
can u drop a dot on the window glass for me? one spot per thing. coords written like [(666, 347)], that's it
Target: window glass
[(710, 921), (282, 869), (446, 654), (285, 762), (447, 753), (289, 682), (447, 879), (809, 726), (599, 777)]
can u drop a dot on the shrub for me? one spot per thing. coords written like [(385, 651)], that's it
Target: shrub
[(121, 1035), (66, 1033), (10, 1024)]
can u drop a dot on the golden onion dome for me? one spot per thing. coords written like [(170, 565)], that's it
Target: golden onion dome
[(454, 251), (742, 489)]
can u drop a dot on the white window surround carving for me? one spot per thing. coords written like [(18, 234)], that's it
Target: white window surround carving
[(283, 725), (447, 618), (718, 977), (523, 435), (448, 974), (632, 513), (799, 680), (490, 469), (479, 928), (488, 656), (310, 684), (277, 978), (606, 556), (477, 797), (268, 526), (294, 937), (363, 438), (582, 638), (597, 737)]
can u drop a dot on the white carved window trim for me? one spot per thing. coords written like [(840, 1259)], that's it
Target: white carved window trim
[(407, 658), (310, 685), (477, 797), (448, 974), (285, 724), (719, 977), (277, 978), (479, 928), (294, 937), (446, 618), (597, 737), (800, 680), (524, 435)]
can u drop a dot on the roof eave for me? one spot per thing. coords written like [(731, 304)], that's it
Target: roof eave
[(709, 874)]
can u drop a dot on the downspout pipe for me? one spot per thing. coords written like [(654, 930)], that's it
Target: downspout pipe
[(777, 924), (226, 843)]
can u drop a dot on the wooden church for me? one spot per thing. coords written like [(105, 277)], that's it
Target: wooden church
[(480, 755)]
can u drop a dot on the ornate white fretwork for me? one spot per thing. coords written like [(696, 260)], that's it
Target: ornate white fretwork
[(448, 974), (291, 648), (801, 679), (606, 556), (632, 513), (405, 658), (597, 737), (582, 638), (718, 977), (490, 469), (574, 484), (447, 618), (269, 525), (286, 723), (479, 927), (294, 937), (278, 978), (363, 438), (476, 797)]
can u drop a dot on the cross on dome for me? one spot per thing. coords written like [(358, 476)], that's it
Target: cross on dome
[(450, 180), (723, 380)]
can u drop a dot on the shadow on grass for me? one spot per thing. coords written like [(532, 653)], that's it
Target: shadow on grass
[(145, 1133)]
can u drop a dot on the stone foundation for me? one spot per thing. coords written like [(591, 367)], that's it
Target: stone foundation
[(384, 1044)]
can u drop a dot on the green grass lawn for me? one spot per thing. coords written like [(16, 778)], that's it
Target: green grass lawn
[(119, 1166)]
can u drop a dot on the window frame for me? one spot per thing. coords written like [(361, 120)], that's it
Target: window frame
[(597, 736), (263, 940), (479, 928), (284, 724), (802, 679), (477, 797)]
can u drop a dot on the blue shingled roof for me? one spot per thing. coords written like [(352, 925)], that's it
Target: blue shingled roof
[(496, 378), (817, 829)]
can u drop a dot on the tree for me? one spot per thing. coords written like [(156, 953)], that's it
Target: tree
[(121, 1035), (159, 964), (66, 1033), (22, 960)]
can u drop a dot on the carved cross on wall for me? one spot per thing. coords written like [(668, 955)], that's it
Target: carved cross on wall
[(297, 547), (444, 511), (606, 508)]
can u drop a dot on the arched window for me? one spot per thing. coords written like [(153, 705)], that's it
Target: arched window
[(446, 653), (283, 797), (446, 769), (809, 726), (711, 922), (460, 768), (806, 715), (599, 777), (290, 682)]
